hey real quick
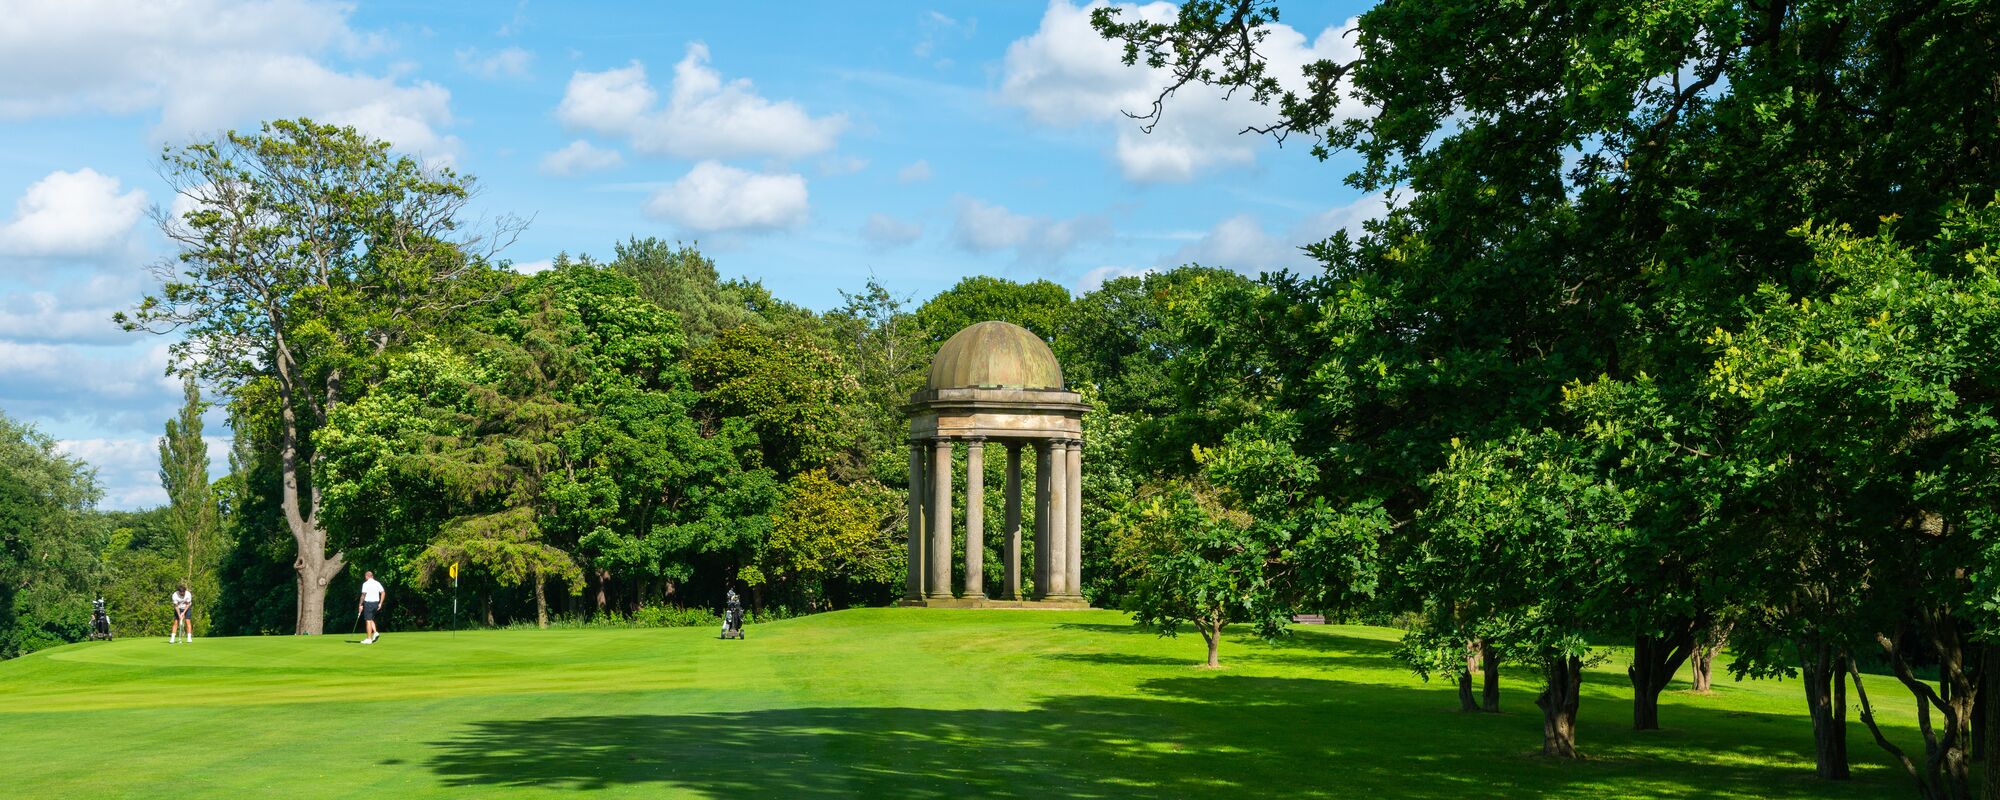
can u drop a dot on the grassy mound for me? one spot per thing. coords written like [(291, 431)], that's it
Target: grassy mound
[(875, 703)]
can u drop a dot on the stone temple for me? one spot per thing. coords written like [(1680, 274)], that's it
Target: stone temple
[(998, 383)]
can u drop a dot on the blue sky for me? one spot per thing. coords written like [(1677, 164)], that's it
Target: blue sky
[(808, 146)]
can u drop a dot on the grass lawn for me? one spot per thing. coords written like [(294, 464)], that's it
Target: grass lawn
[(874, 703)]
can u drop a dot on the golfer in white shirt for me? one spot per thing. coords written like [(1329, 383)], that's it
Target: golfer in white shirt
[(371, 604), (183, 613)]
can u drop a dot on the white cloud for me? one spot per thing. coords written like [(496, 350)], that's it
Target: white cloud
[(510, 62), (714, 197), (129, 468), (1241, 243), (984, 227), (1094, 279), (842, 165), (532, 267), (205, 65), (705, 116), (71, 215), (885, 231), (579, 157), (77, 314), (105, 388), (1065, 75), (917, 171)]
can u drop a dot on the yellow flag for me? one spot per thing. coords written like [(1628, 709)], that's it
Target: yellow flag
[(454, 570)]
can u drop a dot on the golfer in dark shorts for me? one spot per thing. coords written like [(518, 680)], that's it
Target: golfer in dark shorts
[(371, 602)]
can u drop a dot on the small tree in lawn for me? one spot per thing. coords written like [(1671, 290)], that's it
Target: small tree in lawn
[(1192, 562), (1517, 530)]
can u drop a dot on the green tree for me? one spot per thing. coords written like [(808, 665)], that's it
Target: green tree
[(49, 542), (1513, 544), (306, 253), (678, 278), (823, 530), (1192, 562), (1038, 306), (1896, 353), (193, 511), (1616, 185), (563, 429), (794, 394)]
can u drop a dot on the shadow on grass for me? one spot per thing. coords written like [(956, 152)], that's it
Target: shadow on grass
[(1322, 649), (1207, 736)]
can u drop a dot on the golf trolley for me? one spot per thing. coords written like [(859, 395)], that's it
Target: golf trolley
[(100, 621), (732, 617)]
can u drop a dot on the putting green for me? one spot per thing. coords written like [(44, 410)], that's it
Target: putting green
[(871, 703)]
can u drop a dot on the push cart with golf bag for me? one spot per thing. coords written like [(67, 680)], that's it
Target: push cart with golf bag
[(100, 621), (732, 617)]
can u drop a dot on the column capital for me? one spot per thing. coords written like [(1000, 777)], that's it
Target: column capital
[(974, 441)]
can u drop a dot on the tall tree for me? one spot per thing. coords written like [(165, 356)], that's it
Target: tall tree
[(305, 253), (184, 474)]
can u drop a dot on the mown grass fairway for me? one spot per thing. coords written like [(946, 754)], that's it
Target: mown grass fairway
[(875, 703)]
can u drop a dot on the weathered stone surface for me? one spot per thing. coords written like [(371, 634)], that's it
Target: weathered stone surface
[(996, 355), (997, 382)]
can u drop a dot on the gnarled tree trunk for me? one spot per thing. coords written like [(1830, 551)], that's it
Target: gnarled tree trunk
[(1559, 701)]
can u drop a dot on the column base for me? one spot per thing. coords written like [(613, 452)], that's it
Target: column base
[(1050, 604)]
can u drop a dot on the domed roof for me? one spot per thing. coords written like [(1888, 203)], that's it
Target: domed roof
[(995, 355)]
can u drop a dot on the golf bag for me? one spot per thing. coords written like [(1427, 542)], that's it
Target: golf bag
[(732, 617), (100, 621)]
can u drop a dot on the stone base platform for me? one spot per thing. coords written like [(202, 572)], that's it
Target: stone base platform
[(1050, 604)]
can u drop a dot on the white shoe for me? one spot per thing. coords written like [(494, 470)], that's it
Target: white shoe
[(170, 640), (367, 641)]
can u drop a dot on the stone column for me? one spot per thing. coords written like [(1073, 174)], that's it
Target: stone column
[(1041, 519), (915, 590), (975, 519), (1059, 519), (1075, 525), (1011, 528), (940, 522)]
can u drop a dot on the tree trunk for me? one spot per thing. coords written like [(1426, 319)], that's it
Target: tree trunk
[(1989, 730), (1559, 701), (1212, 634), (315, 572), (1704, 669), (603, 600), (1465, 700), (1826, 702), (541, 602), (1655, 659), (1705, 651), (1489, 666), (488, 603)]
